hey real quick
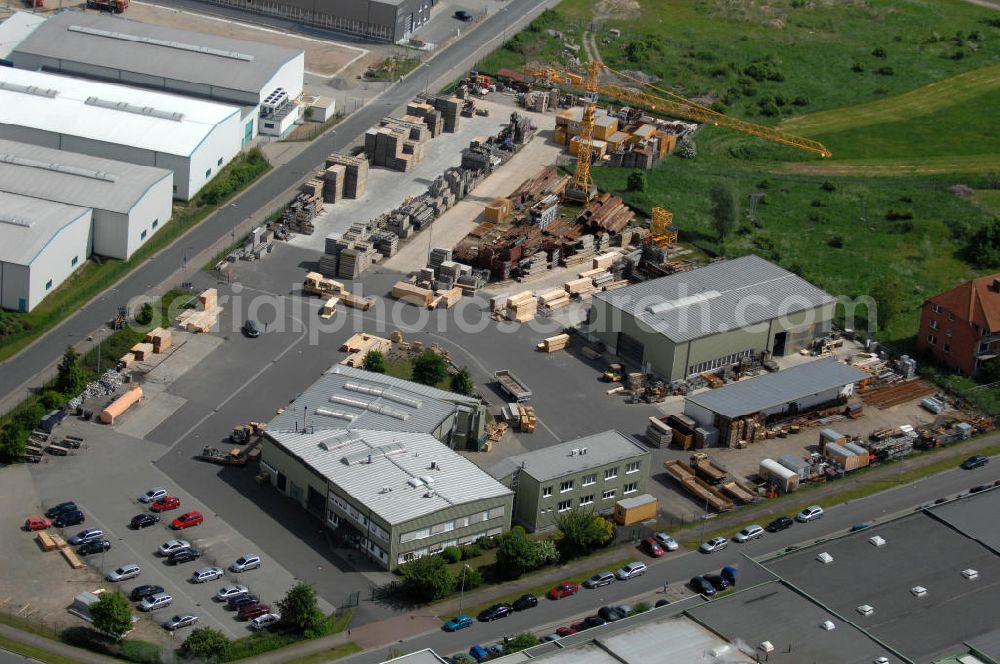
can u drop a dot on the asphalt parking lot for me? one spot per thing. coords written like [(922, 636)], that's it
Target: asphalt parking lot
[(106, 480)]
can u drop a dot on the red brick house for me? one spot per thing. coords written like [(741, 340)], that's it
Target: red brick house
[(961, 327)]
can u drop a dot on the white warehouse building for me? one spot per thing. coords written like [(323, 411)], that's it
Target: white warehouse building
[(129, 203), (105, 48), (192, 138), (41, 243)]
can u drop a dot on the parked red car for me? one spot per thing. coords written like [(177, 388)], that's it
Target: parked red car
[(565, 631), (164, 504), (652, 547), (187, 520), (37, 523), (251, 611), (564, 590)]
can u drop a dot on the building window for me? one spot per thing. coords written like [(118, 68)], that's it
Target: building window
[(565, 505), (931, 339), (984, 347), (589, 479), (951, 316), (934, 325), (631, 487), (76, 259), (633, 467), (936, 308), (565, 486), (175, 188), (587, 500), (220, 161), (48, 284), (208, 173), (496, 512), (947, 348), (608, 495), (142, 235), (546, 492), (611, 473), (156, 222), (947, 332)]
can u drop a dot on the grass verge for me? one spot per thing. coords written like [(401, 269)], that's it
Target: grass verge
[(17, 330), (343, 650), (264, 641), (34, 652)]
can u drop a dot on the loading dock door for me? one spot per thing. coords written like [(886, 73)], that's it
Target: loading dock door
[(779, 344), (629, 349)]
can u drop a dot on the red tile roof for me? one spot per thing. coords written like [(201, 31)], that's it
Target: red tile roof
[(976, 301)]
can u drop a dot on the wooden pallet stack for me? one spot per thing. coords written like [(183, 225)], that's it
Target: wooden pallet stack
[(355, 173), (522, 307), (527, 420), (553, 344)]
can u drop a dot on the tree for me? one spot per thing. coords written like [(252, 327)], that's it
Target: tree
[(12, 442), (374, 361), (300, 611), (582, 531), (687, 149), (112, 614), (989, 373), (70, 379), (725, 208), (461, 382), (546, 552), (206, 644), (520, 642), (984, 246), (429, 368), (145, 315), (888, 296), (516, 554), (427, 578), (637, 181)]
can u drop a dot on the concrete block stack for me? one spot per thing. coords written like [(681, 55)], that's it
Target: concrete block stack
[(450, 108), (356, 173), (430, 116), (438, 256), (399, 223), (334, 178), (385, 243)]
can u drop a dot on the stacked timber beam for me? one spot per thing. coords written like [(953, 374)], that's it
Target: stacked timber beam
[(553, 344), (522, 307), (202, 319)]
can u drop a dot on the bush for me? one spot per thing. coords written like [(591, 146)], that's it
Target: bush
[(473, 579), (837, 242), (427, 578), (546, 552), (373, 361), (242, 171), (857, 67), (983, 249), (879, 52), (885, 71), (800, 101), (486, 543), (687, 149), (516, 554), (145, 315), (142, 652), (258, 644), (452, 554), (769, 109), (816, 203), (637, 181), (429, 368), (828, 186), (206, 644), (470, 551), (50, 400)]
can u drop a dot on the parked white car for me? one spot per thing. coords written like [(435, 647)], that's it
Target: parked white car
[(630, 571), (749, 533), (713, 545), (666, 541), (207, 574), (124, 573), (155, 493), (173, 546), (266, 620), (154, 602), (245, 563), (810, 513), (226, 592)]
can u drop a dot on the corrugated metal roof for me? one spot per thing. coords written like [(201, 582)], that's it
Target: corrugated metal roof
[(756, 394), (333, 402), (79, 107), (716, 298), (15, 29), (74, 179), (28, 224), (384, 470), (186, 60), (560, 460)]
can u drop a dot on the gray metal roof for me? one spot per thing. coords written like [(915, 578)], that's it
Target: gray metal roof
[(716, 298), (369, 400), (773, 612), (28, 224), (560, 460), (918, 551), (987, 644), (74, 179), (192, 57), (15, 28), (975, 515), (770, 390), (382, 470)]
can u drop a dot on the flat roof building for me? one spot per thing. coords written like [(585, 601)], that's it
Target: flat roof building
[(367, 454), (129, 203), (710, 317), (593, 473), (41, 243), (191, 138), (14, 30), (117, 50), (378, 20)]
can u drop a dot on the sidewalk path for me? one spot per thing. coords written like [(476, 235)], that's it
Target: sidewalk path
[(57, 647)]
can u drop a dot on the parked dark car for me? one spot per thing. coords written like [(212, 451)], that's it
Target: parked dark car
[(73, 518), (525, 602), (251, 611), (781, 523), (94, 546), (495, 612), (980, 487), (142, 592), (610, 613), (594, 621), (975, 461), (718, 582), (61, 508), (661, 602), (463, 15), (700, 584), (250, 329), (236, 602), (729, 574), (143, 521), (183, 556)]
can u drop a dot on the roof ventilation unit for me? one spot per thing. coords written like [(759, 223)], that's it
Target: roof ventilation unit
[(583, 450), (574, 451), (385, 489), (918, 591), (415, 482), (427, 479), (876, 541), (970, 574), (14, 221), (825, 558), (766, 646), (430, 493), (334, 413), (866, 610), (828, 625)]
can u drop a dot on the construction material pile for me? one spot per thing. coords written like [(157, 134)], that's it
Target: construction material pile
[(606, 212), (344, 177), (397, 143), (204, 318), (553, 344), (308, 203), (107, 384), (360, 345)]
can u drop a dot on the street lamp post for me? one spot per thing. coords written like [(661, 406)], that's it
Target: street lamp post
[(505, 20), (461, 593), (427, 76)]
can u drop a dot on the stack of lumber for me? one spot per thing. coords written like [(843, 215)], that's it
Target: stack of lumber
[(142, 351), (71, 558), (446, 298), (329, 308), (126, 360), (522, 307), (552, 344), (580, 287), (554, 299), (622, 283), (430, 116), (205, 317), (498, 210), (160, 338), (47, 542), (360, 345), (408, 292), (527, 420)]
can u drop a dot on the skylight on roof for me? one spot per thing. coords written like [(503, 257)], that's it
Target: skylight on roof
[(681, 302), (16, 160), (126, 107), (181, 46)]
